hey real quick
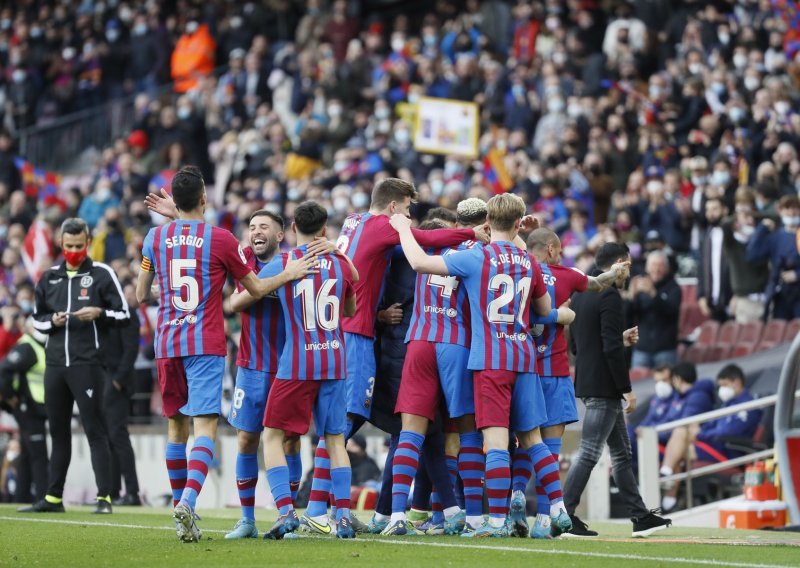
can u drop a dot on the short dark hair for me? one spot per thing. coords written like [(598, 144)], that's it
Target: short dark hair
[(187, 188), (392, 189), (789, 202), (432, 224), (74, 226), (732, 372), (540, 238), (443, 214), (686, 371), (266, 213), (310, 217), (662, 367), (609, 253)]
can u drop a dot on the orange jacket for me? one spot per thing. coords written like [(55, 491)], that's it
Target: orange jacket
[(193, 57)]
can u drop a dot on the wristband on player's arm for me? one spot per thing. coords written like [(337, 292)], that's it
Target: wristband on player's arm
[(552, 317)]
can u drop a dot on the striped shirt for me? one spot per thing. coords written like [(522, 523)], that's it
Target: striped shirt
[(191, 260), (499, 278), (313, 349)]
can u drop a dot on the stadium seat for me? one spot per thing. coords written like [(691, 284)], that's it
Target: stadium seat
[(690, 318), (728, 333), (708, 333), (688, 294), (718, 352), (639, 373), (792, 329), (697, 353), (772, 335), (751, 332), (742, 350)]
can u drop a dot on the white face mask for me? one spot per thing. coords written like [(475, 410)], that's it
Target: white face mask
[(402, 136), (695, 68), (341, 204), (739, 60), (555, 105), (663, 390), (782, 107), (654, 187), (655, 91), (360, 200), (726, 393), (751, 83), (790, 221), (437, 186), (720, 178), (398, 44)]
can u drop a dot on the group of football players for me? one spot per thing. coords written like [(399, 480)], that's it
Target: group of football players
[(485, 336)]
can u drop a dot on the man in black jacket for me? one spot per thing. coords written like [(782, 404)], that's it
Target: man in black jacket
[(22, 394), (119, 353), (599, 338), (76, 301), (655, 305)]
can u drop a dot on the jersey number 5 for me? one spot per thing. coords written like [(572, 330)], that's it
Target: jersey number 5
[(180, 281), (321, 311), (510, 289)]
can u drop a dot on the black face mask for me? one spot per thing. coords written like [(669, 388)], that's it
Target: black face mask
[(595, 169)]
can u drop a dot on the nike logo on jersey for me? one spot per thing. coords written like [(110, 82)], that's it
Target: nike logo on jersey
[(89, 392)]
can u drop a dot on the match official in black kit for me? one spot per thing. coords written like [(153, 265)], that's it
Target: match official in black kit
[(76, 302)]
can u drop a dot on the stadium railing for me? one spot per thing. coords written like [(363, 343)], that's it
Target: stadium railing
[(56, 144), (650, 480)]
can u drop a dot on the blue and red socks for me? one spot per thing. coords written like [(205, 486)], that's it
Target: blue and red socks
[(471, 466), (340, 479), (521, 470), (246, 480), (547, 477), (175, 457), (498, 484), (200, 459), (404, 469), (321, 482), (278, 479), (295, 463)]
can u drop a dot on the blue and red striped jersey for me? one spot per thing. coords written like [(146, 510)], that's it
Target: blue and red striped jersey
[(441, 311), (561, 282), (369, 241), (263, 333), (500, 279), (314, 349), (192, 260)]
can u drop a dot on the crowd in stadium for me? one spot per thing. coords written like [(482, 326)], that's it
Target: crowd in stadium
[(669, 126)]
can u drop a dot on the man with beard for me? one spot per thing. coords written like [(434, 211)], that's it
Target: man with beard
[(714, 283)]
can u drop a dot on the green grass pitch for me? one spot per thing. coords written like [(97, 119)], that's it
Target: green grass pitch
[(145, 537)]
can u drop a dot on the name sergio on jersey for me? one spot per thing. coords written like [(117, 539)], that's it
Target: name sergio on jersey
[(449, 312), (184, 240), (504, 258), (332, 344)]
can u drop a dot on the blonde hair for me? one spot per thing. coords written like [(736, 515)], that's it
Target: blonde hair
[(504, 210)]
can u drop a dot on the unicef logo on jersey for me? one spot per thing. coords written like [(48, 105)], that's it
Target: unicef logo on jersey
[(191, 319), (542, 348), (335, 344), (451, 312)]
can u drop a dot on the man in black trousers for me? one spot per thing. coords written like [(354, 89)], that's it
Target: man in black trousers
[(119, 355), (599, 339), (76, 302)]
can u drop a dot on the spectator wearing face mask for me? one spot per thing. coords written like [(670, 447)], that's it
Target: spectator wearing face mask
[(707, 442), (779, 246), (658, 409), (94, 206), (194, 55), (748, 280)]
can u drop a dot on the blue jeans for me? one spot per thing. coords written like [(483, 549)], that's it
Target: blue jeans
[(604, 423), (653, 360)]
